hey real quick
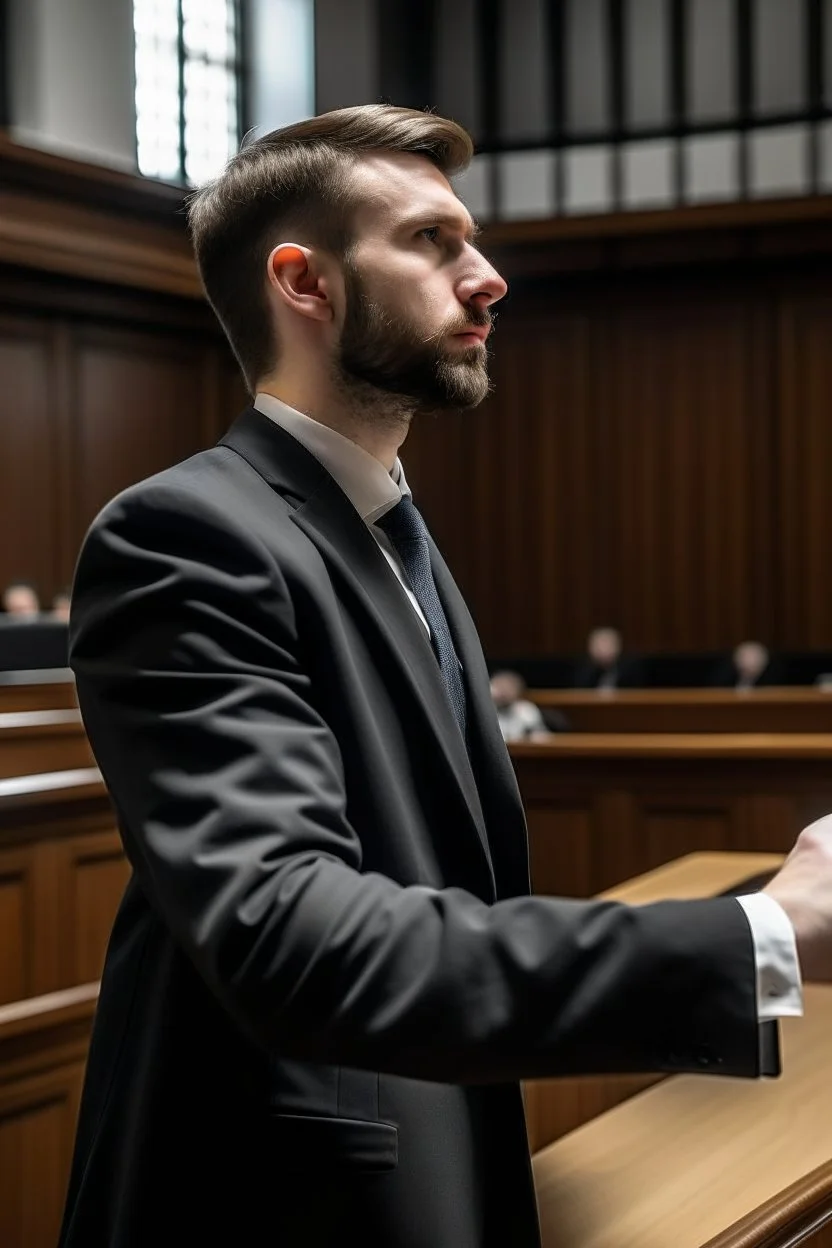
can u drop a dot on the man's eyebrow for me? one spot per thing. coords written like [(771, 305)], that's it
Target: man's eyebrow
[(424, 220)]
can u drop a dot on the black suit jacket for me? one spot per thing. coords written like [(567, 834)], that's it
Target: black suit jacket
[(327, 977), (630, 674), (726, 676)]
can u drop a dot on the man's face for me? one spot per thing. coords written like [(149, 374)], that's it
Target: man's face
[(505, 690), (750, 659), (605, 647), (418, 293), (21, 601)]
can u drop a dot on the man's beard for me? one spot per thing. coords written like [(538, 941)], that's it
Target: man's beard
[(392, 355)]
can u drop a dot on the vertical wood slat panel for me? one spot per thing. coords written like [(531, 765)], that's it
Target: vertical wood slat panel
[(624, 470), (86, 410), (805, 453), (654, 454), (27, 452)]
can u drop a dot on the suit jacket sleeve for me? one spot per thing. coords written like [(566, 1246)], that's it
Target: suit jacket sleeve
[(230, 792)]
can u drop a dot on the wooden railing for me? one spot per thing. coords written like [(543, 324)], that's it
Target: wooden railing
[(48, 690), (36, 741), (691, 710)]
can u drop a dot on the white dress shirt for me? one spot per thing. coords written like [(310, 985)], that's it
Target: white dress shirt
[(520, 721), (372, 492)]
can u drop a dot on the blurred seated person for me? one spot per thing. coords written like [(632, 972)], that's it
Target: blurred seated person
[(519, 719), (20, 601), (750, 665), (606, 666), (61, 605)]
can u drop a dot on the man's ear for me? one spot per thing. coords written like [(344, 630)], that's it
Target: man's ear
[(295, 276)]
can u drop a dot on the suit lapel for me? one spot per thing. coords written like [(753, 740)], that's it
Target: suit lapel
[(327, 517)]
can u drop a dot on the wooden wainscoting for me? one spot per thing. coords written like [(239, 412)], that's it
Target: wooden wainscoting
[(555, 1107), (691, 710), (43, 1048), (604, 808), (62, 875), (47, 690), (40, 741)]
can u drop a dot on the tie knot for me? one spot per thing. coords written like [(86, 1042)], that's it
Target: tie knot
[(403, 523)]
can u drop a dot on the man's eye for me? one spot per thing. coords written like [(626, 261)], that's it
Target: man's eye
[(431, 233)]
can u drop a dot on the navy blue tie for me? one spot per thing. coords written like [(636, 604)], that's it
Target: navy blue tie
[(408, 532)]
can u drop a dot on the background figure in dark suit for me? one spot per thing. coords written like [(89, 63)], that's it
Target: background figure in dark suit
[(327, 975), (749, 666), (606, 666)]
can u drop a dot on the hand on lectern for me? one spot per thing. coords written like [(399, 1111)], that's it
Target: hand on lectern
[(803, 887)]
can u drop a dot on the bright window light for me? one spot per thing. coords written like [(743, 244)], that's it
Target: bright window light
[(187, 87)]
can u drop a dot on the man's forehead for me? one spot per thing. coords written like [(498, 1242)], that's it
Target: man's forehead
[(394, 187)]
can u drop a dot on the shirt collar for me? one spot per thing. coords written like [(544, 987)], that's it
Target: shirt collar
[(365, 481)]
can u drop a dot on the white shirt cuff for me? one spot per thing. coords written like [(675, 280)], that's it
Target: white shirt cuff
[(779, 986)]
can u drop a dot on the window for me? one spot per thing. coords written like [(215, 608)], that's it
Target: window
[(188, 87), (589, 106)]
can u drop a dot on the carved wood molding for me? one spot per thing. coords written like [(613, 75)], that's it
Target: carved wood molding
[(757, 232), (78, 220), (51, 788), (96, 246), (41, 1033)]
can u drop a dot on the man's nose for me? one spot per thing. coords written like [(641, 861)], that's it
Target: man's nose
[(483, 288)]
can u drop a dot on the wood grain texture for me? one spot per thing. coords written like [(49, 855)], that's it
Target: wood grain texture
[(88, 410), (556, 1106), (697, 1160), (35, 741), (804, 447), (41, 695), (603, 809), (651, 711), (28, 468), (652, 456), (43, 1046), (62, 875)]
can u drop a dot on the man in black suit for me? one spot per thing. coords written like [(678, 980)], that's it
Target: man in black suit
[(327, 977), (749, 666), (605, 665)]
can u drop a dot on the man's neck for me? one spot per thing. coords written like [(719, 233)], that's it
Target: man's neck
[(376, 422)]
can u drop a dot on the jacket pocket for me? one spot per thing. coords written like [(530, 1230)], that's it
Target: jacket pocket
[(303, 1141)]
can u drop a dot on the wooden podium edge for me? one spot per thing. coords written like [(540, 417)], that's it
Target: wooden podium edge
[(787, 1219)]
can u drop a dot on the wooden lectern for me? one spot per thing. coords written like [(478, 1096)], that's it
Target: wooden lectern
[(701, 1161)]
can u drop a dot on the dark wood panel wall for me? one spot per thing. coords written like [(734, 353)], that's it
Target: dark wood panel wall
[(111, 365), (85, 410), (653, 456)]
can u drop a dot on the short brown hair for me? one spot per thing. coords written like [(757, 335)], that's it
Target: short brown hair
[(297, 178)]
